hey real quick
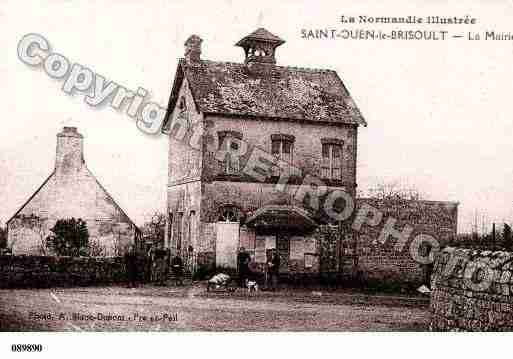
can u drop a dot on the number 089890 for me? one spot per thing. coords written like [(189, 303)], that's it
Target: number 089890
[(26, 348)]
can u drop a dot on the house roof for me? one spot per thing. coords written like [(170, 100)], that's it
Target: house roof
[(107, 194), (30, 198), (114, 203), (282, 93)]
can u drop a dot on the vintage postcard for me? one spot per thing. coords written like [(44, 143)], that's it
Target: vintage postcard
[(260, 166)]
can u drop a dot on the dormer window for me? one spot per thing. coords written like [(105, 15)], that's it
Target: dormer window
[(332, 158), (229, 141)]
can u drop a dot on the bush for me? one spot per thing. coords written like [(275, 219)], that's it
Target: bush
[(70, 237)]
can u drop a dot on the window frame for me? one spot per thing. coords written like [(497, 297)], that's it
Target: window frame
[(231, 166), (328, 164), (283, 140)]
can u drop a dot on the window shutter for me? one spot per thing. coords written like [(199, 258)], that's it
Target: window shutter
[(336, 161), (325, 164)]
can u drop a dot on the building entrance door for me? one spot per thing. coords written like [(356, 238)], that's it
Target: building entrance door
[(227, 243), (283, 247)]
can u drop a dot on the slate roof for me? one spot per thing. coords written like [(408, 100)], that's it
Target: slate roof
[(107, 194), (285, 93)]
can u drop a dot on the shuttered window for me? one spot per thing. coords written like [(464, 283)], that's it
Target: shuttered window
[(332, 161), (229, 141), (282, 147)]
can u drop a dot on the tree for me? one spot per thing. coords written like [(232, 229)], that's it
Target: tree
[(154, 229), (3, 238), (394, 190), (70, 237)]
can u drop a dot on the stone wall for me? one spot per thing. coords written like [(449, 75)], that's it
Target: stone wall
[(183, 215), (472, 291), (183, 229), (27, 234), (40, 271), (185, 155), (388, 258)]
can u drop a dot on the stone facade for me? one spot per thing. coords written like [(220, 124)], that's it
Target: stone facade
[(472, 290), (385, 260), (71, 191), (307, 147), (201, 190)]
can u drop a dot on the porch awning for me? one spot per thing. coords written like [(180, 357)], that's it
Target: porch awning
[(281, 216)]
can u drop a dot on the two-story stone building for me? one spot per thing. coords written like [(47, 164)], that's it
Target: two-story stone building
[(291, 116)]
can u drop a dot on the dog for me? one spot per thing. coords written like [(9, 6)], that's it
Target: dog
[(251, 285)]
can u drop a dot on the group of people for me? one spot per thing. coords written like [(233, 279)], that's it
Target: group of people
[(272, 268), (245, 268)]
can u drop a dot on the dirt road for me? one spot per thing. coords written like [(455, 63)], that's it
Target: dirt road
[(185, 309)]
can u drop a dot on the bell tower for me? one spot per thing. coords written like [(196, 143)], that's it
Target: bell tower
[(260, 46)]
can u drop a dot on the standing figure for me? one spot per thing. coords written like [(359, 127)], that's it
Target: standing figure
[(131, 267), (177, 269), (273, 270), (243, 260)]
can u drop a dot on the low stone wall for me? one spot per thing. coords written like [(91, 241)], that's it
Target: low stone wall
[(472, 291), (41, 271)]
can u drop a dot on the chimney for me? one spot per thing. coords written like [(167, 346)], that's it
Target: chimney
[(193, 49), (70, 151)]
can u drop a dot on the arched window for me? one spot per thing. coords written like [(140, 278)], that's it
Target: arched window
[(229, 214)]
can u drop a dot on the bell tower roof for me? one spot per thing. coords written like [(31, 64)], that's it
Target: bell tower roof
[(261, 34), (260, 46)]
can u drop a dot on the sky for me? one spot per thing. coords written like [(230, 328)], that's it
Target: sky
[(439, 112)]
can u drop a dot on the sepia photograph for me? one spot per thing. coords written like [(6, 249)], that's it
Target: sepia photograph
[(247, 167)]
